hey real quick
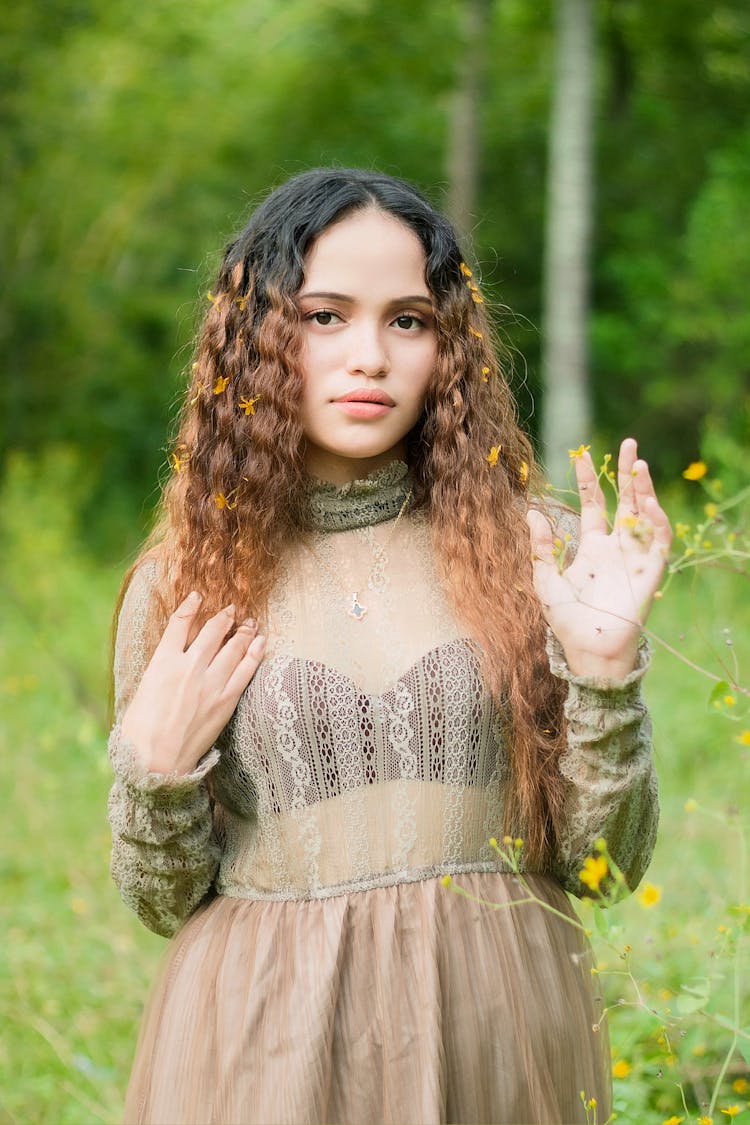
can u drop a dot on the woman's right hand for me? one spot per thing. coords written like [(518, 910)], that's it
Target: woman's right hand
[(190, 688)]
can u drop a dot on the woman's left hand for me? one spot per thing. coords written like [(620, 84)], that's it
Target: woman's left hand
[(598, 604)]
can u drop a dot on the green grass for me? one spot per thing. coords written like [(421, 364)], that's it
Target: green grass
[(75, 966)]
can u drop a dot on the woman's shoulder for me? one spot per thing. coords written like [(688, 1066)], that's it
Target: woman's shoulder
[(144, 585)]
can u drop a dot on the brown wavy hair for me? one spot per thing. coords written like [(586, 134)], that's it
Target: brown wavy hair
[(234, 502)]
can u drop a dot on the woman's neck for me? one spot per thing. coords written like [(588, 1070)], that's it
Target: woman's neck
[(323, 465), (379, 496)]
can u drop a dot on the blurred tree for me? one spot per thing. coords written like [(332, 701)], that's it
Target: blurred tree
[(566, 408), (464, 141)]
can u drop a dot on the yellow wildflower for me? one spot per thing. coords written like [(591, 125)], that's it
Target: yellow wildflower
[(576, 454), (523, 472), (731, 1110), (673, 1120), (485, 374), (621, 1069), (741, 1085), (221, 384), (705, 1121), (690, 805), (212, 299), (729, 700), (493, 455), (493, 842), (179, 460), (477, 299), (475, 332), (242, 301), (507, 839), (518, 842), (594, 870), (650, 895), (465, 270), (681, 529), (696, 470), (446, 880), (248, 404), (223, 501), (711, 511)]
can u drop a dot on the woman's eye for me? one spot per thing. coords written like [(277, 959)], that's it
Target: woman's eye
[(323, 317), (408, 321)]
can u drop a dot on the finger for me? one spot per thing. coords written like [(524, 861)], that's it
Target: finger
[(625, 477), (643, 486), (542, 539), (211, 636), (246, 668), (232, 652), (593, 504), (660, 522), (177, 632)]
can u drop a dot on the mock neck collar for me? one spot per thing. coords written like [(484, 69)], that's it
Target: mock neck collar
[(378, 497)]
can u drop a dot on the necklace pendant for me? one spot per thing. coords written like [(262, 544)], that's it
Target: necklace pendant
[(358, 611)]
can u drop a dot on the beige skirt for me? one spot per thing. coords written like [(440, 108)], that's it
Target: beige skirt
[(406, 1003)]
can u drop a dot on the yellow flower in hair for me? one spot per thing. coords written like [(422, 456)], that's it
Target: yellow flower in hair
[(221, 384), (465, 270), (248, 404), (485, 374), (212, 299), (477, 299), (179, 460), (475, 332), (223, 501), (242, 301), (523, 472), (493, 455)]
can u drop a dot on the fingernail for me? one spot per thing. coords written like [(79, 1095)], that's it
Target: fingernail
[(230, 610), (250, 622), (258, 644), (194, 596)]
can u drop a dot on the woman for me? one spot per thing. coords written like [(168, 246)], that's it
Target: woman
[(335, 683)]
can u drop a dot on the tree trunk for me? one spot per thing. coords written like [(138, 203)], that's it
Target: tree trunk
[(463, 155), (566, 412)]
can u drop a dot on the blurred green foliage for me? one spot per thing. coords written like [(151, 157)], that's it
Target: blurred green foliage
[(135, 139)]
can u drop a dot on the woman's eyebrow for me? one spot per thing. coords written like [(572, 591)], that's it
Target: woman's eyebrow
[(414, 299)]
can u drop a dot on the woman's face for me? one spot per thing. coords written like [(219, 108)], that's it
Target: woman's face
[(369, 344)]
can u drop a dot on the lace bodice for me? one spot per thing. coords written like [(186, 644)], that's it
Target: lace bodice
[(366, 750)]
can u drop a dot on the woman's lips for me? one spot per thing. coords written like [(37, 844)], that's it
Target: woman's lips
[(356, 408), (365, 402)]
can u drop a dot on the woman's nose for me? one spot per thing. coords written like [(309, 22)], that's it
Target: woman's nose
[(368, 354)]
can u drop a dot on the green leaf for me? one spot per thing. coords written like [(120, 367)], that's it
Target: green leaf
[(718, 692), (694, 995), (602, 921)]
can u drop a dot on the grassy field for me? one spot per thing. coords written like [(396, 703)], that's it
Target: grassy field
[(75, 966)]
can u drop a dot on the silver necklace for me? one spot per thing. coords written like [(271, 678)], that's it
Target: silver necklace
[(355, 607)]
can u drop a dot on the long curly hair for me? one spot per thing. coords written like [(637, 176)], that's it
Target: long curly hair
[(233, 502)]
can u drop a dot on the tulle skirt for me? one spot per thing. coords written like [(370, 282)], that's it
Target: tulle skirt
[(406, 1003)]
